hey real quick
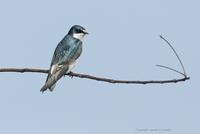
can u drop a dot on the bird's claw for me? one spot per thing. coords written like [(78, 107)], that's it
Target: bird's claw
[(70, 74)]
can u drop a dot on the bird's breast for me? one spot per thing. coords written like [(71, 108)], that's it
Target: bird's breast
[(72, 65)]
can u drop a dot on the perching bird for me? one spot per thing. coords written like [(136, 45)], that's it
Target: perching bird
[(65, 56)]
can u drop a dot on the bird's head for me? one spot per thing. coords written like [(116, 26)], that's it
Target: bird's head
[(77, 32)]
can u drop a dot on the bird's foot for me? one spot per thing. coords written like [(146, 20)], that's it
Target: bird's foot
[(70, 74)]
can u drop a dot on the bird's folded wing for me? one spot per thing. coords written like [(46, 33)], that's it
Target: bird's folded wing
[(53, 78)]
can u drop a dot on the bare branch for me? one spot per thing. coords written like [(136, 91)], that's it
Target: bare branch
[(86, 76), (71, 74)]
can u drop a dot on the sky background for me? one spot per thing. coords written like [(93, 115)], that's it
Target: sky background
[(123, 43)]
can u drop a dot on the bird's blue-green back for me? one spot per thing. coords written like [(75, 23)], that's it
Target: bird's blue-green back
[(67, 51)]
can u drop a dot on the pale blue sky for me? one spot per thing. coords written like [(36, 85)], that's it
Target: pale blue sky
[(123, 44)]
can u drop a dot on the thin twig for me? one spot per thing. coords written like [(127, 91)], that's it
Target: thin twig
[(171, 69), (184, 72)]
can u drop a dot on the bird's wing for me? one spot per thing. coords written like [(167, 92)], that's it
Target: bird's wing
[(53, 78), (57, 59), (65, 53)]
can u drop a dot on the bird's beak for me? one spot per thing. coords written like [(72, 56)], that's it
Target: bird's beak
[(85, 32)]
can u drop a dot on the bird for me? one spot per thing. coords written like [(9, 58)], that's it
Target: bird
[(65, 56)]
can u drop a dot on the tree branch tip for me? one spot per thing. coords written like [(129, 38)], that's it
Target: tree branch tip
[(176, 54)]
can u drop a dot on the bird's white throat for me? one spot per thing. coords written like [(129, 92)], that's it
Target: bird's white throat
[(78, 36)]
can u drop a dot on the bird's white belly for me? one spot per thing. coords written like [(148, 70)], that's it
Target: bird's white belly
[(56, 67), (71, 66)]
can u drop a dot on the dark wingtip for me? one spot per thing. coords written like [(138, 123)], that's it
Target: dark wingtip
[(44, 88)]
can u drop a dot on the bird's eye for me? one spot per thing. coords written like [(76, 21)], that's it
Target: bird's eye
[(79, 31)]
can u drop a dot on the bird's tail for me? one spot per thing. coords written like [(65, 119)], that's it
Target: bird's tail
[(47, 84), (45, 87), (52, 79), (50, 83)]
